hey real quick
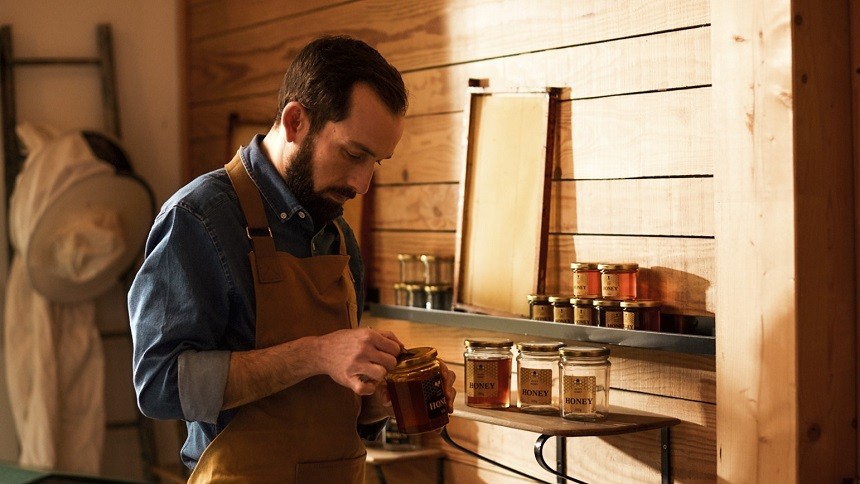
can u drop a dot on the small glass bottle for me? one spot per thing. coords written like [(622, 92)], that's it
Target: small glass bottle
[(438, 269), (411, 269), (416, 297), (539, 307), (583, 311), (438, 296), (537, 372), (618, 281), (586, 279), (401, 297), (488, 372), (607, 313), (641, 314), (417, 392), (562, 311), (584, 383)]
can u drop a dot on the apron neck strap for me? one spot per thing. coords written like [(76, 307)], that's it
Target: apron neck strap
[(258, 230)]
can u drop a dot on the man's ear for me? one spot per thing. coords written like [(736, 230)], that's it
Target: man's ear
[(294, 119)]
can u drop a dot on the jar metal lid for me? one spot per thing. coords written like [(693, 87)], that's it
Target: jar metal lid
[(540, 346), (419, 356), (584, 351), (398, 286), (414, 287), (407, 257), (641, 303), (582, 301), (607, 303), (488, 343), (583, 266), (538, 297), (627, 266), (555, 299), (437, 288), (432, 258)]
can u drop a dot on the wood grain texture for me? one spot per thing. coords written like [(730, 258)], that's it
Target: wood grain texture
[(416, 207), (430, 151), (655, 206), (757, 434), (221, 16), (420, 35)]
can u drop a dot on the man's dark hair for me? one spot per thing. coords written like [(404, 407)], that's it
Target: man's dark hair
[(324, 72)]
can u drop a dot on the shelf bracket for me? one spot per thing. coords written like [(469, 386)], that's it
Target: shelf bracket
[(447, 438), (560, 458)]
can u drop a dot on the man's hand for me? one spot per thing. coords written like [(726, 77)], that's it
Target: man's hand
[(358, 358), (448, 378)]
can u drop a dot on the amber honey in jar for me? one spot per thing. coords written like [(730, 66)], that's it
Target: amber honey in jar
[(537, 376), (586, 279), (417, 392), (641, 314), (488, 372), (608, 314), (539, 307), (618, 281)]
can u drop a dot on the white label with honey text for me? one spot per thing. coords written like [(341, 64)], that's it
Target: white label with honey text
[(579, 394), (535, 386), (482, 378), (611, 285)]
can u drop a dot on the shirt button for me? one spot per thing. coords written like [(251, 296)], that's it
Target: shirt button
[(301, 215), (283, 215)]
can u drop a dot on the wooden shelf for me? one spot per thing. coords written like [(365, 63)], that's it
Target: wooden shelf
[(679, 343), (619, 421)]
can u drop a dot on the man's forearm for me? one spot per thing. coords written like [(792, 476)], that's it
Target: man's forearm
[(256, 374)]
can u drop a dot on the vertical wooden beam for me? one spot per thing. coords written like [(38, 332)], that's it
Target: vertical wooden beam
[(755, 241), (784, 242), (854, 27), (824, 225)]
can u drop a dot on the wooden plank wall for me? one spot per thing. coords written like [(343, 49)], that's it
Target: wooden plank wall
[(634, 180)]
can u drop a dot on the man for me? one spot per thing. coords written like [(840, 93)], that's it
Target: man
[(245, 310)]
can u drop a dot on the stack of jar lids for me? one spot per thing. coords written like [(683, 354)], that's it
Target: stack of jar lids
[(425, 281)]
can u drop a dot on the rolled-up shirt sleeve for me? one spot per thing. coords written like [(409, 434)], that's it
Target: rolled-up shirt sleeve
[(179, 307)]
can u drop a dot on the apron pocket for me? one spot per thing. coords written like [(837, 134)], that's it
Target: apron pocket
[(330, 471)]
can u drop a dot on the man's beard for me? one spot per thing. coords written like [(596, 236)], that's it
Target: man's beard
[(300, 181)]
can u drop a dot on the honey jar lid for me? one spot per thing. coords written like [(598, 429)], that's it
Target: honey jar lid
[(414, 287), (607, 303), (583, 351), (540, 346), (407, 257), (626, 266), (433, 258), (488, 342), (538, 297), (640, 303), (582, 301), (554, 299), (580, 266), (415, 357), (437, 288)]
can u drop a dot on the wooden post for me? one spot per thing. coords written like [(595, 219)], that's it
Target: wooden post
[(784, 242)]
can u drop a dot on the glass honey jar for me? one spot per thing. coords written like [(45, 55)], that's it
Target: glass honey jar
[(586, 279), (539, 307), (488, 372), (618, 281), (562, 311), (584, 382), (583, 311), (417, 392), (537, 376), (641, 314), (608, 314)]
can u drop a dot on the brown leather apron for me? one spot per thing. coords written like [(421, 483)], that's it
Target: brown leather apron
[(306, 433)]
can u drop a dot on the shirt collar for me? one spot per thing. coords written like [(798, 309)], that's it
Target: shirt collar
[(272, 187)]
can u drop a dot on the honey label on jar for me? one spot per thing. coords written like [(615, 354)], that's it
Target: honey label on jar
[(582, 316), (611, 285), (535, 386), (562, 315), (630, 320), (482, 378), (580, 284), (434, 397), (542, 312), (614, 319), (579, 394)]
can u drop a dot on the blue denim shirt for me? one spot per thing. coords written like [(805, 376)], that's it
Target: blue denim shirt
[(192, 301)]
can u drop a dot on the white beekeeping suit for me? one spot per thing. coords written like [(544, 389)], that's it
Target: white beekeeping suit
[(70, 240)]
